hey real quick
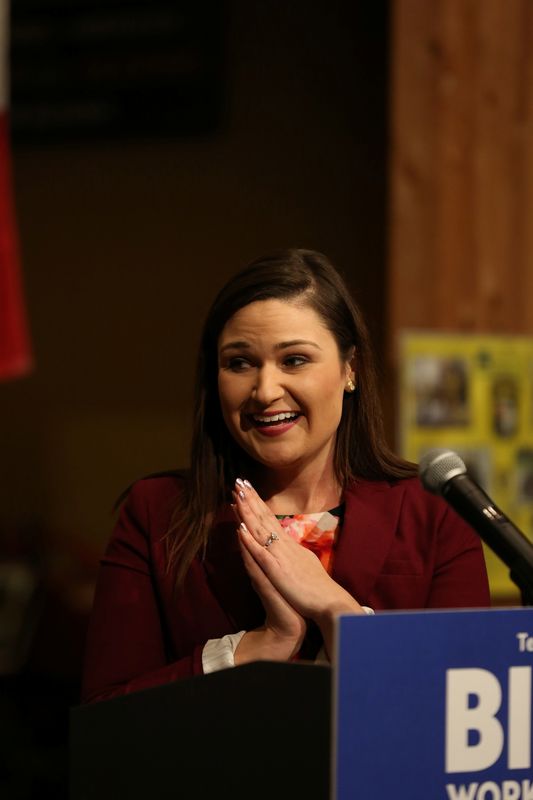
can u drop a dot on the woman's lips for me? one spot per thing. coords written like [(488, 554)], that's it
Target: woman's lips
[(272, 424)]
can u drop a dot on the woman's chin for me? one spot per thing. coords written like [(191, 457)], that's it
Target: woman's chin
[(279, 459), (289, 455)]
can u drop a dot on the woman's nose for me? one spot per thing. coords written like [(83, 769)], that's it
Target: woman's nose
[(268, 386)]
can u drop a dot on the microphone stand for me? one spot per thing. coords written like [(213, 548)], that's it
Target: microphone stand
[(499, 533)]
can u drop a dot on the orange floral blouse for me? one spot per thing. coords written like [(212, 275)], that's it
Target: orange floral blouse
[(317, 532)]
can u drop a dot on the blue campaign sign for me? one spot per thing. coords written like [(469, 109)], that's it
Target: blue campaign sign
[(434, 704)]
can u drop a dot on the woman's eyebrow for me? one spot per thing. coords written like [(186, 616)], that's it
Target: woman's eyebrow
[(235, 346), (294, 342), (243, 345)]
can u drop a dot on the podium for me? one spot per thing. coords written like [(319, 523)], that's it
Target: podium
[(425, 705), (260, 731)]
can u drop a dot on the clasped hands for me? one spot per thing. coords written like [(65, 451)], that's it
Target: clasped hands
[(290, 581)]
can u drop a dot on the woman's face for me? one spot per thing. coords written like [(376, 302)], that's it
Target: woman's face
[(281, 383)]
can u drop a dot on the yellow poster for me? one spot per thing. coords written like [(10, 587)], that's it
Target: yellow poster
[(474, 395)]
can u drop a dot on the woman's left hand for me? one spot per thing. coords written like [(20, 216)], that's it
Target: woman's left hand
[(294, 570)]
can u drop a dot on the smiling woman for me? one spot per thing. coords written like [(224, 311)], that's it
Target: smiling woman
[(281, 384), (294, 510)]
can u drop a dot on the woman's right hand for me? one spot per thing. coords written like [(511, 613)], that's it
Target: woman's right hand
[(284, 630)]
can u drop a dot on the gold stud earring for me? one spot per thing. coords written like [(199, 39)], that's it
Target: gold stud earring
[(350, 385)]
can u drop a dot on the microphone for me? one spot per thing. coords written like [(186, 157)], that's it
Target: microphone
[(444, 472)]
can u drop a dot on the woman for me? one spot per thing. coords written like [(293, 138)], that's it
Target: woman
[(294, 510)]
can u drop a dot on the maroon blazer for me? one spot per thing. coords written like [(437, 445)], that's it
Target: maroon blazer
[(399, 548)]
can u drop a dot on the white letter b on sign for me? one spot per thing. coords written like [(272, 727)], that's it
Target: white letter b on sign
[(461, 684)]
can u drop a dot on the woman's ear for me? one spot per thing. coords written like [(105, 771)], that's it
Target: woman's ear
[(351, 362)]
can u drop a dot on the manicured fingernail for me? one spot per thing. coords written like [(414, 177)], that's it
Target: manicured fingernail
[(240, 482), (244, 528), (247, 483)]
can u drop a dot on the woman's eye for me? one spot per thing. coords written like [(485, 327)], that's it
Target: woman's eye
[(238, 364), (295, 361)]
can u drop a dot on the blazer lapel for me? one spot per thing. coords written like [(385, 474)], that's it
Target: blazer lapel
[(370, 521)]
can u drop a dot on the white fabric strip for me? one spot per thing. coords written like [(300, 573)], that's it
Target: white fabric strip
[(220, 653)]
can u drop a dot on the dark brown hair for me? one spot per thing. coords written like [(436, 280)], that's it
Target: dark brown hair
[(216, 459)]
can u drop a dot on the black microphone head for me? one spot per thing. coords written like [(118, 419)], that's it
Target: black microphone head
[(437, 467)]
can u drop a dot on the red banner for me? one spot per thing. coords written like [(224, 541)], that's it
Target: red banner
[(15, 353)]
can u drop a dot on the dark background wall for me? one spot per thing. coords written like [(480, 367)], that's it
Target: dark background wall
[(126, 241)]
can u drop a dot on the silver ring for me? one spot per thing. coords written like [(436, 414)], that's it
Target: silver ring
[(272, 538)]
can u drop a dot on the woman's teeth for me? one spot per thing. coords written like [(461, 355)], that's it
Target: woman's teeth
[(275, 418)]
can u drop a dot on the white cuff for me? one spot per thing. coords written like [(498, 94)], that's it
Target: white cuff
[(220, 653)]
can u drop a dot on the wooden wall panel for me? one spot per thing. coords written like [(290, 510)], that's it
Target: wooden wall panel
[(461, 172), (461, 166)]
